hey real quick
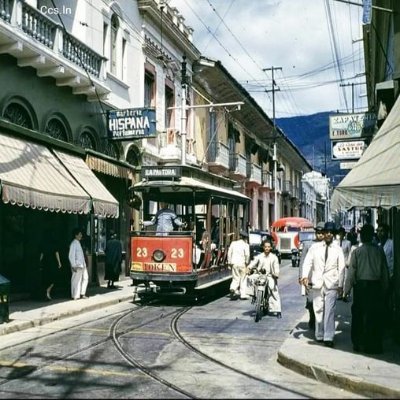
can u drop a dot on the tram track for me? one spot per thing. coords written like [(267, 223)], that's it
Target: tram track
[(179, 337), (21, 369)]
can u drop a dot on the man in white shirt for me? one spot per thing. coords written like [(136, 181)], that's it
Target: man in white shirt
[(238, 258), (80, 277), (323, 271), (267, 263)]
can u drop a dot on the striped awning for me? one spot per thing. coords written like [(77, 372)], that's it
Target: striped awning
[(31, 176), (104, 204)]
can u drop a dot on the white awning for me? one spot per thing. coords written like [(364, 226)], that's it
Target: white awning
[(191, 185), (31, 176), (375, 180), (104, 203)]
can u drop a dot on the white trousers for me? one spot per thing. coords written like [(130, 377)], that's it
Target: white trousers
[(239, 280), (79, 283), (324, 303), (274, 301)]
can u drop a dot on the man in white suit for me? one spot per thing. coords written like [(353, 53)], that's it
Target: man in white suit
[(80, 277), (323, 271)]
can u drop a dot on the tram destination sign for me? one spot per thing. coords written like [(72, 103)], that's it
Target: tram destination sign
[(161, 172), (131, 123), (350, 126)]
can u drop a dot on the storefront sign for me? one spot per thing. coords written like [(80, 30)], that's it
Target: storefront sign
[(132, 123), (350, 126), (347, 150)]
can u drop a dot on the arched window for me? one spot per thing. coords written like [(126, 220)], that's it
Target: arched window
[(114, 44), (133, 157), (19, 115), (87, 140), (56, 129), (112, 150)]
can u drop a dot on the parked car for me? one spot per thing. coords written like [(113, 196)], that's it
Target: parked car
[(256, 237)]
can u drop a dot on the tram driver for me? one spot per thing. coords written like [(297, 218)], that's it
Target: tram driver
[(165, 220)]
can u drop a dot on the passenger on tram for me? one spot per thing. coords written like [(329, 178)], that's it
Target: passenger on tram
[(205, 251), (165, 220)]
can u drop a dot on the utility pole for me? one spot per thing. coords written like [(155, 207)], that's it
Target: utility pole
[(352, 92), (275, 158), (183, 111)]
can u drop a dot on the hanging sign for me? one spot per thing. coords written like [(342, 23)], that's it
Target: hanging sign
[(350, 126), (131, 123), (347, 150)]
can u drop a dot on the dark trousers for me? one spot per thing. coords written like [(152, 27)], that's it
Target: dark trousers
[(367, 321)]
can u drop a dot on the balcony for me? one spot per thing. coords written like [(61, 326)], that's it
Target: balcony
[(37, 41), (253, 173), (267, 181), (218, 158), (287, 188), (237, 166)]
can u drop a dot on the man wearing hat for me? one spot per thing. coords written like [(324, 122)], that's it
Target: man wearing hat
[(319, 236), (238, 258), (323, 270)]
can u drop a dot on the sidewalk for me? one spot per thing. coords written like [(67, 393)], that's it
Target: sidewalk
[(29, 313), (374, 376), (368, 375)]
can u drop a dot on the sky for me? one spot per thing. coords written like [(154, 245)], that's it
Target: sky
[(314, 47)]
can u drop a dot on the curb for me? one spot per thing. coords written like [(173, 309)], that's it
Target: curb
[(324, 375), (20, 325)]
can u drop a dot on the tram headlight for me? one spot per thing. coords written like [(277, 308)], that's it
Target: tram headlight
[(158, 255)]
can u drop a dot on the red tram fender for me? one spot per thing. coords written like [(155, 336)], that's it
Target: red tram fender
[(162, 254)]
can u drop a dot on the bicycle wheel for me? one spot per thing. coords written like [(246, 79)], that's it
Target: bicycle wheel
[(259, 305)]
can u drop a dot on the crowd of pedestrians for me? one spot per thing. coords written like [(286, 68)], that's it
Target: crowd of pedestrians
[(356, 268)]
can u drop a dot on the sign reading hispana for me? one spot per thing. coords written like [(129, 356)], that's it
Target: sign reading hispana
[(132, 123)]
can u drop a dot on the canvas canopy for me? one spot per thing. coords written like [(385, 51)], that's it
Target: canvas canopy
[(375, 179)]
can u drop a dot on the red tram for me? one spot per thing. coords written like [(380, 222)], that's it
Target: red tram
[(194, 257)]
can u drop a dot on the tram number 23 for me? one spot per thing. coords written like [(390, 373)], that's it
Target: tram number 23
[(175, 252)]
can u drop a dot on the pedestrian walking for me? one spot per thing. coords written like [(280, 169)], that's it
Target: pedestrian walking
[(386, 244), (323, 270), (113, 253), (238, 258), (319, 236), (50, 261), (368, 276), (80, 277)]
